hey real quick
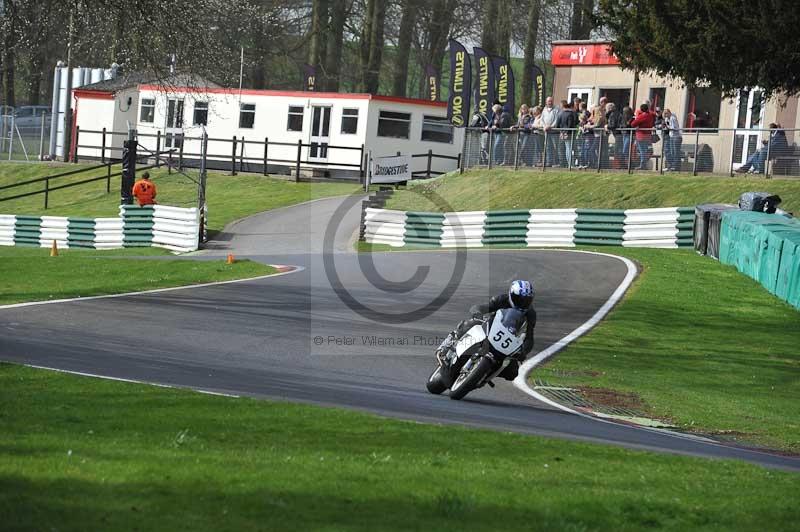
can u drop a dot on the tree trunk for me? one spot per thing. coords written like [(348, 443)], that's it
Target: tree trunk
[(8, 71), (319, 36), (366, 34), (580, 27), (503, 23), (407, 24), (438, 32), (531, 36), (375, 48), (35, 77), (489, 30), (333, 58)]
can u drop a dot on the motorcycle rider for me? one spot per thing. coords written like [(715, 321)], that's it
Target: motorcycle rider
[(520, 296)]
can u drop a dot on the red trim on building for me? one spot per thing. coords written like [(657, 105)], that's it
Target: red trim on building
[(93, 95), (301, 94), (583, 54)]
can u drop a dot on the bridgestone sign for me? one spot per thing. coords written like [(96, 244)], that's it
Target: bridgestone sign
[(391, 169)]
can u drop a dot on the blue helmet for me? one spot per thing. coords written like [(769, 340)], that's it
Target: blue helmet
[(520, 294)]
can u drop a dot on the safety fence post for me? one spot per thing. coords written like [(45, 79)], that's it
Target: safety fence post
[(233, 156)]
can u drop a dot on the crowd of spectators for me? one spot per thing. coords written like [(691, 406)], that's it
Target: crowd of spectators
[(572, 135)]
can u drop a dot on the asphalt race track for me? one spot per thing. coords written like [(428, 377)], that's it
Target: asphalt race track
[(292, 337)]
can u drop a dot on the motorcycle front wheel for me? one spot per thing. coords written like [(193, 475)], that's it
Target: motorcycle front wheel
[(469, 378), (436, 384)]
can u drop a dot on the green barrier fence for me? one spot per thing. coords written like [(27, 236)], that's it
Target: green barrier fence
[(765, 247)]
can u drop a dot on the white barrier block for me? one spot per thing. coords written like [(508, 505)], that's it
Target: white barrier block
[(7, 219), (653, 243)]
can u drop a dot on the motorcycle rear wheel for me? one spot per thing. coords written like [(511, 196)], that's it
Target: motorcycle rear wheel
[(466, 383)]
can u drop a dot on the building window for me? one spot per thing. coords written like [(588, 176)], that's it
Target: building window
[(394, 125), (349, 121), (436, 129), (658, 97), (148, 111), (200, 114), (702, 108), (247, 115), (619, 97), (295, 122)]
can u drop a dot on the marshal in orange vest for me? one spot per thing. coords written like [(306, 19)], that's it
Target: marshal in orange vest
[(144, 190)]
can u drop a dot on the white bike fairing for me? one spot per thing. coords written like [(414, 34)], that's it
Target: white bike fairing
[(502, 339), (473, 336)]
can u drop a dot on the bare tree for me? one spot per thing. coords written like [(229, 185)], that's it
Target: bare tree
[(534, 13), (371, 81), (333, 59), (407, 24)]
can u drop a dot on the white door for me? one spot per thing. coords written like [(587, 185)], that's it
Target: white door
[(174, 126), (585, 94), (320, 133), (749, 119)]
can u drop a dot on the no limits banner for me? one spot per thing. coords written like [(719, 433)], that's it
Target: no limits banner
[(458, 110)]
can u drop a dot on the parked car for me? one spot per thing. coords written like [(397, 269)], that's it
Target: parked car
[(27, 116)]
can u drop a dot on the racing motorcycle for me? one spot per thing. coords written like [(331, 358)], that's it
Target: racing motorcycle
[(480, 354)]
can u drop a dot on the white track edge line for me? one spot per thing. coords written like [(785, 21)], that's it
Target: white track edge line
[(521, 382), (133, 381), (296, 269)]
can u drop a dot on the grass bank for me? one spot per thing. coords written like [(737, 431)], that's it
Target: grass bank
[(30, 274), (82, 454), (229, 197), (699, 344), (506, 189)]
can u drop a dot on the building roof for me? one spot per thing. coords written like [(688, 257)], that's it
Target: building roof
[(135, 79), (302, 94)]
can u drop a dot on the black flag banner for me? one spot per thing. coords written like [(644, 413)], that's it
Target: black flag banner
[(309, 77), (484, 85), (460, 85), (538, 86), (431, 84), (504, 81)]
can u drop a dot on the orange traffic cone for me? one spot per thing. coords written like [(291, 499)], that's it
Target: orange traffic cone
[(54, 249), (230, 260)]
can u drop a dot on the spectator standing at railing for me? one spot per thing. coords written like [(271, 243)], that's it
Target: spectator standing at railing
[(482, 121), (522, 128), (537, 136), (613, 123), (627, 118), (644, 121), (549, 117), (144, 191), (566, 123), (501, 122), (673, 139), (587, 134)]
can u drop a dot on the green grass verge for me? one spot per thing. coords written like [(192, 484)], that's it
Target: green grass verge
[(229, 197), (701, 345), (85, 454), (30, 274), (505, 189)]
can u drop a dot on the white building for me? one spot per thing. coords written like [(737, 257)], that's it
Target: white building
[(334, 130)]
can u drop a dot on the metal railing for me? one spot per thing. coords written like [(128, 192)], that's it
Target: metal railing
[(240, 154), (59, 178), (235, 154), (767, 152)]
